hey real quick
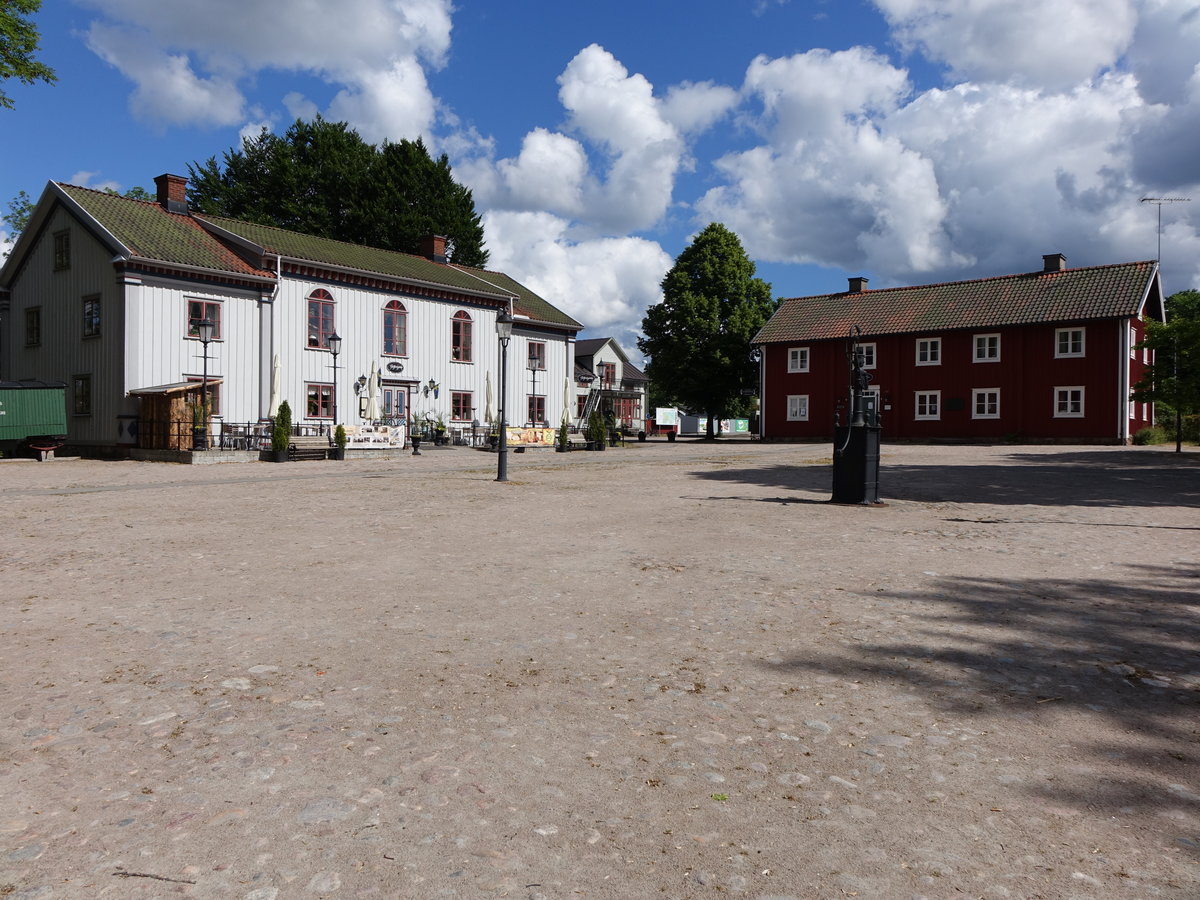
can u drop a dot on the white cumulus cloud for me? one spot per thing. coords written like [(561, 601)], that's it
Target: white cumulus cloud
[(604, 283), (188, 62), (1054, 44)]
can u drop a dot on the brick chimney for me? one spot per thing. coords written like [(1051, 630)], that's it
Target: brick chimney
[(433, 246), (172, 193), (858, 285), (1053, 262)]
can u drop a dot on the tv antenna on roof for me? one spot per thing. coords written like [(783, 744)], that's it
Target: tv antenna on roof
[(1159, 201)]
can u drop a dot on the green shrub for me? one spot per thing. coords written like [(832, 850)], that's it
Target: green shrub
[(339, 437), (597, 432), (1153, 435), (281, 435)]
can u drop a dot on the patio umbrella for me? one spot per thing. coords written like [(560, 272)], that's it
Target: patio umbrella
[(372, 411), (489, 408), (566, 418), (273, 403)]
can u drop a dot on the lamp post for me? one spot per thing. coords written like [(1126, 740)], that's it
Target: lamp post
[(504, 324), (335, 347), (204, 328)]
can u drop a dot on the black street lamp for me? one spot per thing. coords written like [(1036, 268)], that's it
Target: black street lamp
[(205, 329), (335, 347), (504, 324)]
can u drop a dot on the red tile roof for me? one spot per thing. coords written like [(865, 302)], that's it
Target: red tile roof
[(1069, 295)]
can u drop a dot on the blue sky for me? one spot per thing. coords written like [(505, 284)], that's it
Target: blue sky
[(905, 140)]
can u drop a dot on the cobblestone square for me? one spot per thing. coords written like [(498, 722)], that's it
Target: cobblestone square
[(667, 670)]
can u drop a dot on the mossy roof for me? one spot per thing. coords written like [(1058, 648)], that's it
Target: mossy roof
[(1068, 295), (144, 229)]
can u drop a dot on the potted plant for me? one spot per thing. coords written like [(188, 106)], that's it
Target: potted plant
[(199, 426), (439, 430), (339, 440), (562, 445), (281, 434), (414, 437), (493, 437)]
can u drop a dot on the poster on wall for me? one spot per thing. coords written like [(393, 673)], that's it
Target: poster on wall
[(666, 416)]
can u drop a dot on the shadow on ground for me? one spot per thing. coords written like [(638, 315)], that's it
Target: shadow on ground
[(1070, 478), (1123, 650)]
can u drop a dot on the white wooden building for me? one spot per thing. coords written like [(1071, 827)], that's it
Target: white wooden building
[(105, 293), (605, 379)]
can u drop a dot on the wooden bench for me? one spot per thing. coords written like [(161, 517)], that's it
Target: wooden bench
[(308, 447)]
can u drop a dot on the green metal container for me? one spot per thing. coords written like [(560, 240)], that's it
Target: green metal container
[(32, 409)]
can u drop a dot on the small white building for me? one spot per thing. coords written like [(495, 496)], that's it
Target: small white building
[(607, 380), (106, 293)]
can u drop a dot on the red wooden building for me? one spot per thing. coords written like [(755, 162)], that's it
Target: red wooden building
[(1045, 355)]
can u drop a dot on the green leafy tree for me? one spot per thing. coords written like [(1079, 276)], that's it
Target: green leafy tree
[(20, 208), (1173, 379), (322, 178), (19, 40), (698, 337)]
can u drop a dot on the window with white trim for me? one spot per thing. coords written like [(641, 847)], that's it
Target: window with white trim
[(1068, 402), (91, 316), (395, 329), (929, 351), (460, 337), (797, 359), (462, 406), (868, 355), (797, 407), (1133, 339), (81, 395), (985, 403), (1068, 342), (536, 355), (536, 409), (320, 319), (319, 399), (928, 405), (198, 311), (987, 348)]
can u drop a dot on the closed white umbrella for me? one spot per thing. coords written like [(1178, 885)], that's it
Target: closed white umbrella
[(489, 407), (273, 405), (372, 412)]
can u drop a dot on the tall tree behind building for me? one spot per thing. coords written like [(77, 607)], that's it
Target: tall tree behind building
[(698, 337), (322, 178), (19, 40)]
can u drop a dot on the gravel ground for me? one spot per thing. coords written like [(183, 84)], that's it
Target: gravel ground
[(669, 670)]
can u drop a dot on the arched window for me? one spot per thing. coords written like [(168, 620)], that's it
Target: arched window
[(320, 318), (395, 329), (460, 337)]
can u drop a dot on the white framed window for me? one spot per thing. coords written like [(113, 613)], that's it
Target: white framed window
[(985, 403), (929, 351), (797, 407), (797, 359), (987, 348), (868, 355), (928, 405), (1068, 342), (1133, 339), (1068, 402), (1133, 409)]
